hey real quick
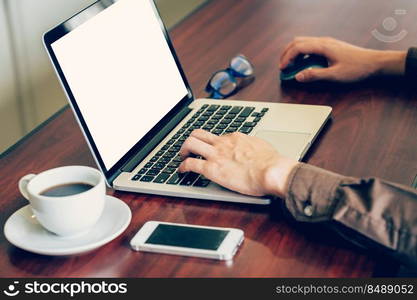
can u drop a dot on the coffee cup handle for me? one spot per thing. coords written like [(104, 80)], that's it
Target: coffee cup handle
[(23, 183)]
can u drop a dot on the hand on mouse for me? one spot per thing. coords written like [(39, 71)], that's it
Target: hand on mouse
[(241, 163), (347, 63)]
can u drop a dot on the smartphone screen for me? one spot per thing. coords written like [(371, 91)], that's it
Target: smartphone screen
[(188, 237)]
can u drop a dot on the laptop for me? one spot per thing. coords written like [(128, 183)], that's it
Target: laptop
[(135, 107)]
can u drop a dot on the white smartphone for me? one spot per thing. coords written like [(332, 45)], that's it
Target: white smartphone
[(190, 240)]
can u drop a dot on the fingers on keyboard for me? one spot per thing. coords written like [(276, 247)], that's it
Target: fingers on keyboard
[(162, 168)]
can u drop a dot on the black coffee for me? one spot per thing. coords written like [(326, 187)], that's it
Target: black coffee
[(66, 189)]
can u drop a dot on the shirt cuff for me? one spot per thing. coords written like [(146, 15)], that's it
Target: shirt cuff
[(311, 193), (411, 64)]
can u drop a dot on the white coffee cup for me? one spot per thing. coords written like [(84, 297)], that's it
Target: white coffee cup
[(65, 215)]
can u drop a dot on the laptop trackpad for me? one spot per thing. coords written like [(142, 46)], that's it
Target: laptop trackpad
[(290, 144)]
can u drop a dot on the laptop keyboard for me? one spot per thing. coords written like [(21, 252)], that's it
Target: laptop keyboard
[(217, 119)]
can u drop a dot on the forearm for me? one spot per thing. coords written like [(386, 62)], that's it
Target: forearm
[(390, 62), (383, 212)]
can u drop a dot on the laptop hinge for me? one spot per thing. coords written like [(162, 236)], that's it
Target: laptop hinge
[(136, 160)]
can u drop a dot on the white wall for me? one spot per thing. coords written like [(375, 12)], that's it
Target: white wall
[(40, 93), (10, 126), (36, 94)]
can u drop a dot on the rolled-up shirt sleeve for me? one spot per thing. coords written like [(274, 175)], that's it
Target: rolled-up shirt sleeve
[(383, 212)]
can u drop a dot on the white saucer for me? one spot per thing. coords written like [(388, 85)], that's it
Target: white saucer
[(24, 231)]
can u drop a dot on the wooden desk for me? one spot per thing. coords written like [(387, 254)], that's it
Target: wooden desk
[(373, 133)]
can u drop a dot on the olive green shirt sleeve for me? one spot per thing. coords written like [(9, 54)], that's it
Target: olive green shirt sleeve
[(411, 65), (383, 212)]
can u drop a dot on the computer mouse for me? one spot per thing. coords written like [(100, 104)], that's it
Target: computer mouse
[(301, 63)]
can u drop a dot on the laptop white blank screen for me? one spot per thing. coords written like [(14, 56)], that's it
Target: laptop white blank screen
[(122, 74)]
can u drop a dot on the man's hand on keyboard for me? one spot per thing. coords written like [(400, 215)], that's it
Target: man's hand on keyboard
[(242, 163)]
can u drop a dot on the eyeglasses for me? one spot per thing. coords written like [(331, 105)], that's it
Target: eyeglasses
[(227, 82)]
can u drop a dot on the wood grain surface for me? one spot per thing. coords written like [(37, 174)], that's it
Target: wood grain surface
[(372, 133)]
